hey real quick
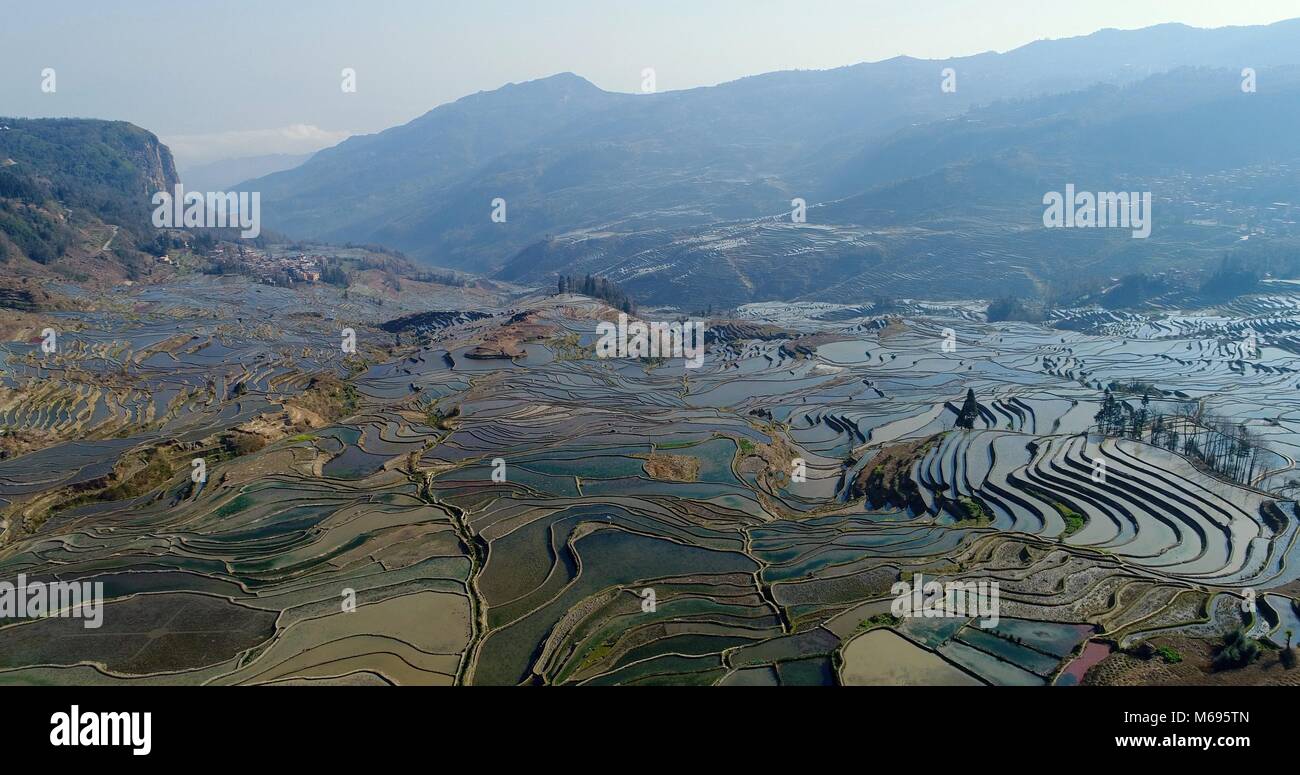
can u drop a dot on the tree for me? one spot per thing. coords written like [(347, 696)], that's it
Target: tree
[(1237, 651), (1110, 418), (970, 410), (1139, 422), (1158, 429)]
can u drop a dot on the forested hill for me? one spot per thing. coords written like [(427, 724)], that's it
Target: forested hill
[(110, 167), (64, 181)]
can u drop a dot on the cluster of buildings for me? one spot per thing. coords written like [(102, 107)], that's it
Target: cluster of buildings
[(1227, 199), (285, 269)]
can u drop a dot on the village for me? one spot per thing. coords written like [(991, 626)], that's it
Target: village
[(271, 269)]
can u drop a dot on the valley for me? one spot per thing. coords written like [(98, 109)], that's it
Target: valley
[(973, 371), (369, 477)]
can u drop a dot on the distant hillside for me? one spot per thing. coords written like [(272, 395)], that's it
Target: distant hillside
[(568, 156), (72, 190), (227, 174), (953, 208), (1187, 120)]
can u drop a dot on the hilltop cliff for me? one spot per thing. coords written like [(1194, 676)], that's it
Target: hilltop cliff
[(75, 197)]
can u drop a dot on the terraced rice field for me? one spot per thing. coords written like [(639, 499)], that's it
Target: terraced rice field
[(417, 513)]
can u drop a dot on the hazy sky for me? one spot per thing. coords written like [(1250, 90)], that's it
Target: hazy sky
[(247, 77)]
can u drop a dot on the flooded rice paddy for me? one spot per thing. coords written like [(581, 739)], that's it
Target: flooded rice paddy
[(412, 513)]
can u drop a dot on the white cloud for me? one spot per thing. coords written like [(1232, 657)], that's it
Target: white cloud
[(191, 150)]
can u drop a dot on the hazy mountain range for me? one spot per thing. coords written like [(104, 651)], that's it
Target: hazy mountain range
[(872, 138), (227, 173), (684, 197)]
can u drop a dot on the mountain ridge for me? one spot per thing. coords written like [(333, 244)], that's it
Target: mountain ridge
[(565, 154)]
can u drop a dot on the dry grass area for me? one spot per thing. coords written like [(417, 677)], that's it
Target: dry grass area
[(28, 294), (772, 462), (326, 399), (508, 340), (1121, 669), (805, 346), (672, 468), (19, 442), (895, 327), (886, 479)]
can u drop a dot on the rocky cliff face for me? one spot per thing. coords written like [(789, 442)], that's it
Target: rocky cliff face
[(78, 192), (154, 161), (110, 167)]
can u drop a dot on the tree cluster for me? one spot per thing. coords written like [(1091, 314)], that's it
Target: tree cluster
[(1225, 448), (598, 288)]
